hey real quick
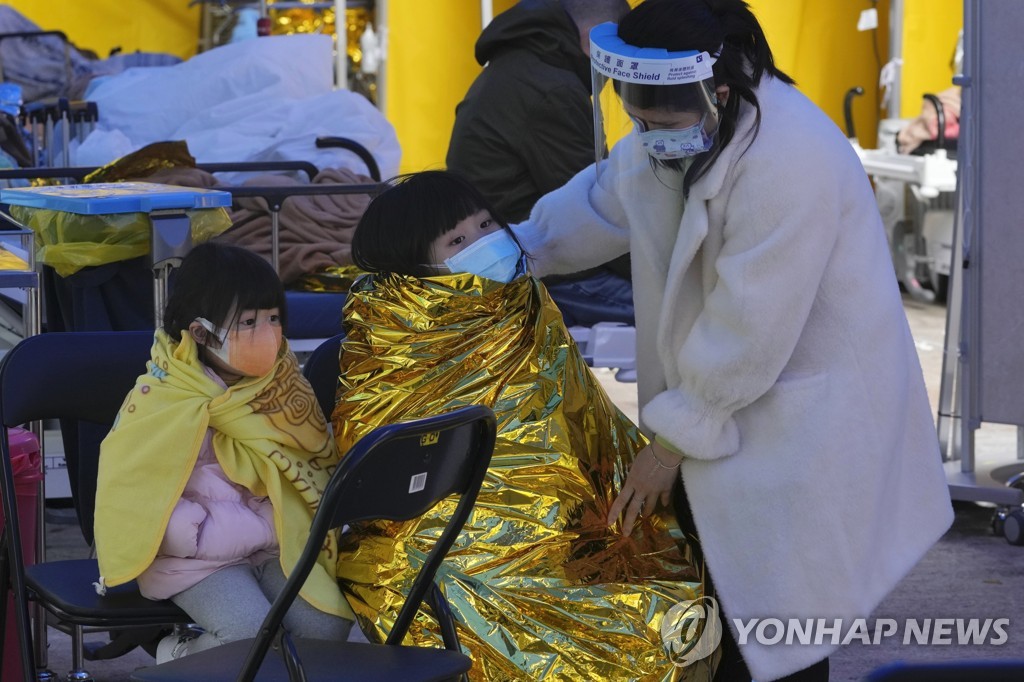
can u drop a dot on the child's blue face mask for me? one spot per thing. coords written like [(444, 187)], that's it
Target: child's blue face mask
[(495, 256)]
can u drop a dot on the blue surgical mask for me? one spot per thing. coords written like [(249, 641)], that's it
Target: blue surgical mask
[(495, 256), (675, 144)]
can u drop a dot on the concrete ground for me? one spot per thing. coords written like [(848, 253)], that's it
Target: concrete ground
[(969, 573)]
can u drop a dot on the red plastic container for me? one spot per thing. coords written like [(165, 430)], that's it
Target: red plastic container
[(25, 458)]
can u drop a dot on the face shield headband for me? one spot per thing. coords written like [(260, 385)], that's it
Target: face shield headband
[(670, 96)]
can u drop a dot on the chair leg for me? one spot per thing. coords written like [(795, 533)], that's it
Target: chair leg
[(40, 645), (39, 637), (14, 580), (78, 672)]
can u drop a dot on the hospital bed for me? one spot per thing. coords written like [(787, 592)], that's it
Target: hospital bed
[(53, 122), (314, 316)]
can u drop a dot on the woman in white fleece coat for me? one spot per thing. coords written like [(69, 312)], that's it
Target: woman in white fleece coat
[(776, 368)]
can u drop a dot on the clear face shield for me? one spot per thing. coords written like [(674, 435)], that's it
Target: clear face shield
[(668, 98)]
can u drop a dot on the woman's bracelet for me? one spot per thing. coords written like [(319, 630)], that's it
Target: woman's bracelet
[(664, 466)]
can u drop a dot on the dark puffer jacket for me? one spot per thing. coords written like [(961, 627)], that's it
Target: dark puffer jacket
[(526, 125)]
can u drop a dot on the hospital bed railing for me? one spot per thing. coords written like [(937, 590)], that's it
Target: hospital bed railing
[(79, 173)]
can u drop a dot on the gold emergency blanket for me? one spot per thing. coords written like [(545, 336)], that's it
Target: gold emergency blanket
[(540, 587)]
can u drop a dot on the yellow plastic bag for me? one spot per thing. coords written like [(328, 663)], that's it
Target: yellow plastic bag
[(11, 261), (68, 242)]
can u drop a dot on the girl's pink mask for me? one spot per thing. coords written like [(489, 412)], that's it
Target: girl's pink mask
[(250, 352)]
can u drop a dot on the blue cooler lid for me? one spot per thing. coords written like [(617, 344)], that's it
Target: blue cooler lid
[(115, 197)]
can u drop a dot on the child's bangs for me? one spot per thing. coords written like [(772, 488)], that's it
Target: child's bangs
[(456, 208), (259, 288)]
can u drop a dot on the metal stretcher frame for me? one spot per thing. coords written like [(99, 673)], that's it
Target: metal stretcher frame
[(276, 196), (982, 364), (79, 173)]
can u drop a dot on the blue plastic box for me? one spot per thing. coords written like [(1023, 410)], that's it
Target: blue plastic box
[(115, 197)]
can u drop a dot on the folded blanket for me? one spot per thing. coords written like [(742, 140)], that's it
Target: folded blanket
[(270, 437), (539, 585)]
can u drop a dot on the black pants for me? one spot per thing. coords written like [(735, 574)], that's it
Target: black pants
[(732, 668)]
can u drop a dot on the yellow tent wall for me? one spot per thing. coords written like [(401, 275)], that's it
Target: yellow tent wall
[(102, 25), (818, 45), (930, 29), (431, 64)]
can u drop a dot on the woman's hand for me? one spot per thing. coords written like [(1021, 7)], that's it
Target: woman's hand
[(651, 477)]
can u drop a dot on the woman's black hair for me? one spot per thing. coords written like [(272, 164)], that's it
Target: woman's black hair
[(218, 281), (726, 29), (402, 221)]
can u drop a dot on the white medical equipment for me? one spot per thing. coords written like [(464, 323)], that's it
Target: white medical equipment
[(915, 197)]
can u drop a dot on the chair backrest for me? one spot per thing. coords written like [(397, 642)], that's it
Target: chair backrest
[(321, 370), (397, 472), (80, 376), (71, 375)]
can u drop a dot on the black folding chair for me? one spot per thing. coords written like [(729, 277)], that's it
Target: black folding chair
[(321, 370), (80, 376), (395, 472)]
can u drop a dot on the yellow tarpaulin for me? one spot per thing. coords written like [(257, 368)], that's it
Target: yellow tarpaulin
[(102, 25), (930, 29)]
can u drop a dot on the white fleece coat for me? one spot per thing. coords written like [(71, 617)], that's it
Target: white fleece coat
[(773, 350)]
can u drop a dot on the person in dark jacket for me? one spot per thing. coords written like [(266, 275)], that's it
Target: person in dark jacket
[(526, 126)]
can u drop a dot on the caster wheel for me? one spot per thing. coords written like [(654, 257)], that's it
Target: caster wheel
[(998, 521), (1013, 527)]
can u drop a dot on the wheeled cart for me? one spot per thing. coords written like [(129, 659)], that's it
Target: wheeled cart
[(168, 208)]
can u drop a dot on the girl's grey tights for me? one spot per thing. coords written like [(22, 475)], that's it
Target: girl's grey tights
[(231, 603)]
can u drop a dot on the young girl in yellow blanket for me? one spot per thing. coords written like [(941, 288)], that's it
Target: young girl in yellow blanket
[(217, 460), (540, 586)]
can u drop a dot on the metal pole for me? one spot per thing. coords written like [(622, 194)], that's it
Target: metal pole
[(66, 125), (382, 67), (33, 325), (51, 157), (275, 239), (340, 45), (950, 412), (486, 12), (970, 238), (160, 281), (895, 56)]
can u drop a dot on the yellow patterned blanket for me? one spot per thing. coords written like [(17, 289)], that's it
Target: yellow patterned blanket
[(540, 587), (270, 437)]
